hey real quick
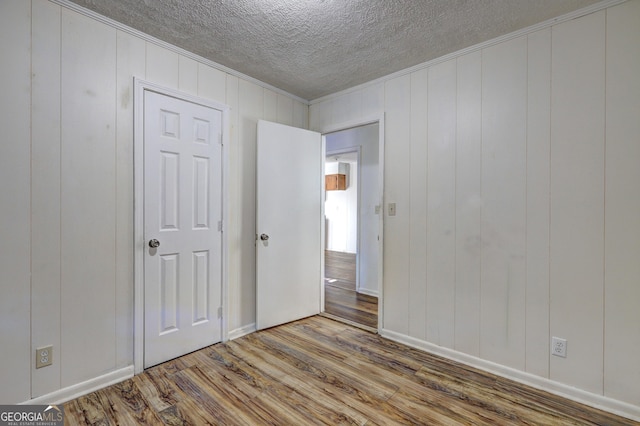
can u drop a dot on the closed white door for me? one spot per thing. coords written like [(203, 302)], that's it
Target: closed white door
[(288, 222), (182, 223)]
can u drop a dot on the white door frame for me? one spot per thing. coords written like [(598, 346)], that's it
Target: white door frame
[(332, 128), (139, 242)]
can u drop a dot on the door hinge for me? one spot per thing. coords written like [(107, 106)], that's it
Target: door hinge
[(219, 226), (220, 312)]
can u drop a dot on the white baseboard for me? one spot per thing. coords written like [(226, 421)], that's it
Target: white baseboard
[(63, 395), (368, 291), (242, 331), (593, 400)]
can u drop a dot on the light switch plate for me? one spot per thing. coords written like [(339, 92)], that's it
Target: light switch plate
[(392, 209)]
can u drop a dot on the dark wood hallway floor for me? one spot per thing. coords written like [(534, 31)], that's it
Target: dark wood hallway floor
[(341, 298)]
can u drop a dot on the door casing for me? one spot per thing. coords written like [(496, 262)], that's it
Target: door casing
[(140, 86)]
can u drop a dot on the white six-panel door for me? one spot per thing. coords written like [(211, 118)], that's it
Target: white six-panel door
[(288, 221), (182, 213)]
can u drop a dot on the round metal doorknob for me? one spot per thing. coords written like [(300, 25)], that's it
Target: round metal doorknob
[(154, 243), (264, 237)]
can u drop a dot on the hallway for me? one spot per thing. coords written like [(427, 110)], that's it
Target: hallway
[(341, 298)]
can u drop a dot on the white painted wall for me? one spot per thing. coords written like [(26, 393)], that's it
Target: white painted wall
[(514, 167), (341, 211), (365, 137), (15, 201), (66, 236)]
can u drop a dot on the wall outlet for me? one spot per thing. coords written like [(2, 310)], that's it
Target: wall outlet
[(559, 347), (44, 356)]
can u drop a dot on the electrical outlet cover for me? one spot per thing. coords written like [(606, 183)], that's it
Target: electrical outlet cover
[(559, 347), (44, 356)]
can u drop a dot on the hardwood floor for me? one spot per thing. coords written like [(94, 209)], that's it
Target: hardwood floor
[(341, 298), (349, 305), (341, 266), (319, 371)]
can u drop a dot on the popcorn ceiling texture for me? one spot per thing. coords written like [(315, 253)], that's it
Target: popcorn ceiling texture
[(313, 48)]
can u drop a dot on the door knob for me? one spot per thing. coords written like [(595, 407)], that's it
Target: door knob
[(154, 243), (264, 237)]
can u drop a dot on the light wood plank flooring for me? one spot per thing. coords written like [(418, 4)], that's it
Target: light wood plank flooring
[(341, 298), (319, 371)]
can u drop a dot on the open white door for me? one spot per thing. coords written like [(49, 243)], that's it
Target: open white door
[(288, 224), (182, 218)]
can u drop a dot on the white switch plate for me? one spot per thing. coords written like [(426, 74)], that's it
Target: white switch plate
[(392, 209)]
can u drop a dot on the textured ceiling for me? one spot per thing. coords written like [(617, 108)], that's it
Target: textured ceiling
[(312, 48)]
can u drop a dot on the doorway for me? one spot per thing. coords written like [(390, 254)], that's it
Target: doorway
[(352, 225), (179, 203)]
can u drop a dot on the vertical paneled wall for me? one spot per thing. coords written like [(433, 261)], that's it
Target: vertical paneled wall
[(537, 241), (468, 203), (66, 268), (87, 198), (515, 172), (577, 198), (45, 188), (503, 193), (440, 256), (15, 201), (397, 264), (622, 204)]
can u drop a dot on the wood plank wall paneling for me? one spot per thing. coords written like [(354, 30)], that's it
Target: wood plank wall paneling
[(163, 66), (577, 199), (418, 206), (622, 204), (538, 151), (15, 75), (348, 108), (131, 62), (441, 226), (270, 105), (88, 195), (45, 190), (79, 179), (503, 180), (188, 75), (396, 178), (468, 203), (285, 110), (211, 83), (559, 247), (300, 115)]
